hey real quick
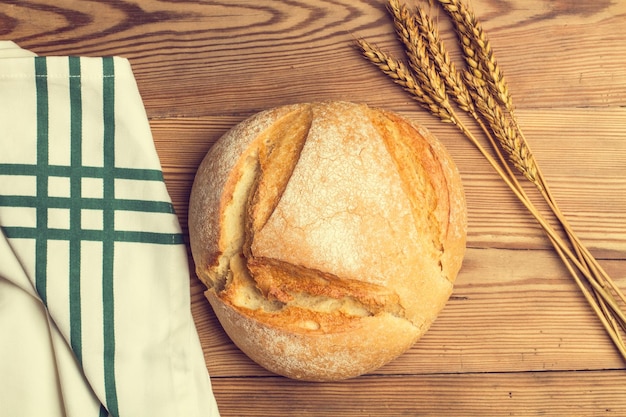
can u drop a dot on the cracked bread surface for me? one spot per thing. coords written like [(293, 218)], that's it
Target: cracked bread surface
[(329, 236)]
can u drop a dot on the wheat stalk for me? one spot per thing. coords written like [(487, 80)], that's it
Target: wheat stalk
[(481, 91)]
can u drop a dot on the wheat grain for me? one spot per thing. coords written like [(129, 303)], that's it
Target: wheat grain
[(505, 132), (400, 74), (440, 56), (419, 59), (478, 52)]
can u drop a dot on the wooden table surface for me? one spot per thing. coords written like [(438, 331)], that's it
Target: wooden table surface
[(516, 337)]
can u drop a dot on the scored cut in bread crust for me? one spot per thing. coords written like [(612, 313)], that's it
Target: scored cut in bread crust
[(329, 236)]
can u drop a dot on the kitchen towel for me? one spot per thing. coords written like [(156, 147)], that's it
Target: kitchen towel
[(95, 313)]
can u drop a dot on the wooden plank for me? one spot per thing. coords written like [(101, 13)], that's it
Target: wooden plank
[(205, 58), (555, 394), (581, 151), (511, 311)]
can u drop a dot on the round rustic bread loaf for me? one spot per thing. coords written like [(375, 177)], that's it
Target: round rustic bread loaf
[(328, 235)]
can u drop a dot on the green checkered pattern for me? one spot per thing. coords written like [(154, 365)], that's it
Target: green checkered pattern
[(77, 203)]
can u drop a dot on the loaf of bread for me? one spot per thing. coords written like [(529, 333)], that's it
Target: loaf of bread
[(328, 235)]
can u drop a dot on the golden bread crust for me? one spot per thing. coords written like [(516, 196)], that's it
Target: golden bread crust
[(329, 236)]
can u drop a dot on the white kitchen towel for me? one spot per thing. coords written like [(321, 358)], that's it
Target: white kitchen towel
[(95, 313)]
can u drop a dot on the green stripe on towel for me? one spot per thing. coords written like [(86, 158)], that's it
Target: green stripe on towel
[(76, 134), (41, 245), (108, 242)]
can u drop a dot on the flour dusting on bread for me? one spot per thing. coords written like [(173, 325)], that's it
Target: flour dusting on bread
[(329, 236)]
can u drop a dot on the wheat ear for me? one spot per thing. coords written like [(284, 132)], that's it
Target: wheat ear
[(477, 50), (399, 73)]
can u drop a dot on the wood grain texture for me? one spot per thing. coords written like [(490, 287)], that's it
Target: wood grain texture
[(210, 57), (516, 337), (584, 394)]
